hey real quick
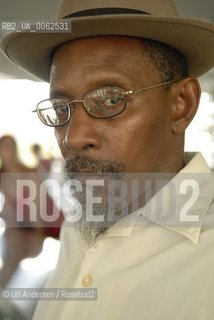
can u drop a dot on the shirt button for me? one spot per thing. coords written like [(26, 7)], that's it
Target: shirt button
[(87, 281)]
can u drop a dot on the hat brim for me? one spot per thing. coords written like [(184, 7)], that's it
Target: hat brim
[(193, 38)]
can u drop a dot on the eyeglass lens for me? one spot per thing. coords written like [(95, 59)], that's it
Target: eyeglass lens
[(104, 102)]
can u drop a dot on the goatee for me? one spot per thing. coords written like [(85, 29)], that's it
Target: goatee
[(78, 167)]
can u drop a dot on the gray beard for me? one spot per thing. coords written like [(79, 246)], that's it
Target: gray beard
[(92, 231)]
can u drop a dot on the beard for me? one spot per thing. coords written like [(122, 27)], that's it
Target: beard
[(81, 167)]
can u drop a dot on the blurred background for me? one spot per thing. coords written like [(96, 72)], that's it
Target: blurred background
[(37, 150)]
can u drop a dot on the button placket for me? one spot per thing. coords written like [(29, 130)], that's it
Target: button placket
[(86, 276)]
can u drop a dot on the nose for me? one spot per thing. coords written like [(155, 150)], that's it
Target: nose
[(81, 132)]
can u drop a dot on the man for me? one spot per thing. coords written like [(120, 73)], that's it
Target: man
[(123, 91)]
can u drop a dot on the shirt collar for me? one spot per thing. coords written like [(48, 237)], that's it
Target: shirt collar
[(197, 176)]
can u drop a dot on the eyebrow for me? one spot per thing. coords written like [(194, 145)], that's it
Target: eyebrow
[(57, 94)]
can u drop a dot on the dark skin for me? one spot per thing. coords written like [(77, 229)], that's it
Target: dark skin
[(148, 136)]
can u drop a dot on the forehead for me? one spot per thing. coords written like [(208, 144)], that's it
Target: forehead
[(104, 44), (110, 53)]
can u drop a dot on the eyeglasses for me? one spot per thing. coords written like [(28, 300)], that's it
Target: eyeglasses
[(102, 103)]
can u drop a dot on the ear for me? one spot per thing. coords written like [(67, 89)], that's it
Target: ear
[(185, 100)]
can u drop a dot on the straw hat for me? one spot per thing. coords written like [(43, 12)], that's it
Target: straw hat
[(152, 19)]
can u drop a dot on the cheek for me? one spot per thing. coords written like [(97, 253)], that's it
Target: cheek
[(152, 125), (59, 135), (139, 137), (124, 138)]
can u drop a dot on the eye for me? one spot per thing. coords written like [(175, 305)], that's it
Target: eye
[(59, 106), (59, 109), (106, 97), (112, 101)]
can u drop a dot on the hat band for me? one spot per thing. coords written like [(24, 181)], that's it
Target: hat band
[(104, 11)]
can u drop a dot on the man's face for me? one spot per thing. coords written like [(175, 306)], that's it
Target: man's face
[(139, 139)]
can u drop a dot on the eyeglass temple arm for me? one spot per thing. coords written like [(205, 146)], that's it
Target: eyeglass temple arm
[(35, 110), (129, 92), (150, 87)]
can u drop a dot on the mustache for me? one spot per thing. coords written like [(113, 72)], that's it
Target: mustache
[(84, 164)]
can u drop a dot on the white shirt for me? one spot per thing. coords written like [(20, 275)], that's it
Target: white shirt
[(143, 269)]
